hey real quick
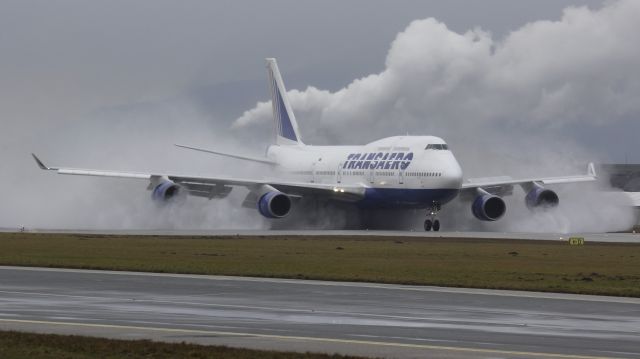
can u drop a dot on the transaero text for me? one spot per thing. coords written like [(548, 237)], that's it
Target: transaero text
[(378, 160)]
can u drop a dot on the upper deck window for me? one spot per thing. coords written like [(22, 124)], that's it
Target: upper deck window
[(437, 146)]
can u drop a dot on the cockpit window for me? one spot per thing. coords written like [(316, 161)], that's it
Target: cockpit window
[(437, 146)]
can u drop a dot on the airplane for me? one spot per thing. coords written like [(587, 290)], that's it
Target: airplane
[(399, 172)]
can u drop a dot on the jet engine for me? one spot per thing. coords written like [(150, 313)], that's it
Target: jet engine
[(488, 207), (274, 204), (168, 191), (540, 197)]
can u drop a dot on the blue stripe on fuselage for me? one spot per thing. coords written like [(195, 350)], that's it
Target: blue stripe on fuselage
[(404, 197)]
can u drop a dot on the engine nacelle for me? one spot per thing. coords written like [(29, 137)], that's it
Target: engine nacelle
[(540, 197), (274, 204), (168, 191), (487, 207)]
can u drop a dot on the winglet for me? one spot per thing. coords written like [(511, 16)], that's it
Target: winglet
[(591, 169), (40, 164)]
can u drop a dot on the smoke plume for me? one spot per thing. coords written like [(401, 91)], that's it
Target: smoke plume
[(509, 106), (542, 100)]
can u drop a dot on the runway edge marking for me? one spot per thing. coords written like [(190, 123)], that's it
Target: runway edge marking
[(313, 339)]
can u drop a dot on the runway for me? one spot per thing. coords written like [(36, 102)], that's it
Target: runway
[(348, 318), (589, 237)]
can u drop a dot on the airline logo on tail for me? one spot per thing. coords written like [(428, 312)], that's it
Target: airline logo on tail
[(285, 121), (285, 129)]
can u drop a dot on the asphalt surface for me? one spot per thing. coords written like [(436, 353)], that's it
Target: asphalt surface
[(349, 318), (591, 237)]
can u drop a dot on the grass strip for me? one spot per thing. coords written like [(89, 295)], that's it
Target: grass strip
[(553, 266), (21, 345)]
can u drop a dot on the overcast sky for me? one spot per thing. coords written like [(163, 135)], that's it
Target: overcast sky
[(64, 60), (115, 83)]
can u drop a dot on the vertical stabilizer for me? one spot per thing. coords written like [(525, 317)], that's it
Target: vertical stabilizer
[(286, 127)]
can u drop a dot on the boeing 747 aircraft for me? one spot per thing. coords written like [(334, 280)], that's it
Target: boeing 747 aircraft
[(401, 172)]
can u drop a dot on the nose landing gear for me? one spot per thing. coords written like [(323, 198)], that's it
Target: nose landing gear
[(432, 221)]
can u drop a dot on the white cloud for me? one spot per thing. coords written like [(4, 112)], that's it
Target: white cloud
[(581, 69), (83, 97), (506, 105)]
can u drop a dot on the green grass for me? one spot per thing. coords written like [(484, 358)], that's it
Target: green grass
[(20, 345), (595, 268)]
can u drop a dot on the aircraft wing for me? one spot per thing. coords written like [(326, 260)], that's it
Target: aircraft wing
[(205, 186), (217, 187), (504, 185)]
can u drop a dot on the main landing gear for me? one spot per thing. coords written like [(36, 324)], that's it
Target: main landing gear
[(432, 221)]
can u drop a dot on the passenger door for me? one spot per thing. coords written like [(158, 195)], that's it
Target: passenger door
[(371, 176)]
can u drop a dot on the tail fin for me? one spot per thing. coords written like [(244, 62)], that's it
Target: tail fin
[(286, 127)]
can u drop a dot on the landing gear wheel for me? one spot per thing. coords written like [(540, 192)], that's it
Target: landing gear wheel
[(427, 225), (432, 221), (436, 225)]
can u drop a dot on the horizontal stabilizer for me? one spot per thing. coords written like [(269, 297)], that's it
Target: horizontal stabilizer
[(240, 157)]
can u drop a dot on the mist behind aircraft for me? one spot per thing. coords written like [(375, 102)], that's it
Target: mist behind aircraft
[(514, 102)]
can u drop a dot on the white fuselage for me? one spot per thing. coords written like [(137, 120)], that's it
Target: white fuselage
[(413, 171)]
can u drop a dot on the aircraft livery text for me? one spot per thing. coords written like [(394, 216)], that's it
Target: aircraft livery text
[(378, 160)]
